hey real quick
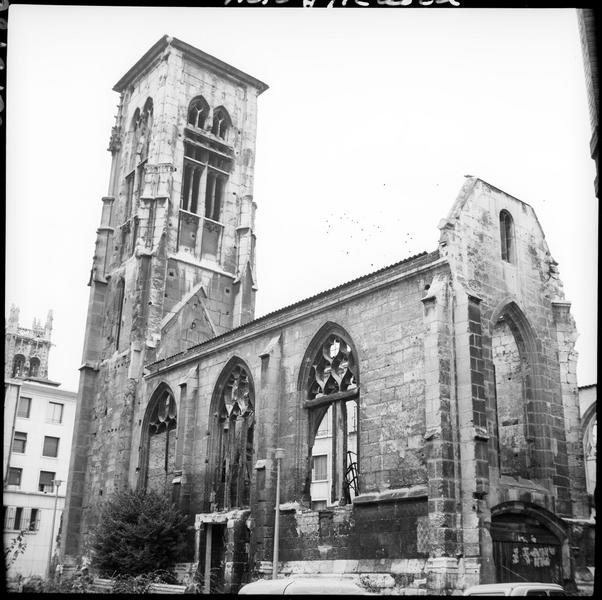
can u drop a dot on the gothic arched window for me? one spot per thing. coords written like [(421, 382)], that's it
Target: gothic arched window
[(332, 399), (233, 422), (333, 369), (159, 441), (514, 391), (18, 365), (119, 302), (144, 130), (34, 367), (507, 236), (198, 111), (221, 122)]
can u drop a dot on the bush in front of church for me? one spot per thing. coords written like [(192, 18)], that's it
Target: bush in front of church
[(138, 532)]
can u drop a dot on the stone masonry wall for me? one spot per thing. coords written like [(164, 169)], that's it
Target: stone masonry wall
[(387, 329), (136, 242), (523, 293), (363, 531)]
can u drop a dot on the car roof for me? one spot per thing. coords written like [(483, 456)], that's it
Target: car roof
[(490, 587), (302, 585), (265, 586)]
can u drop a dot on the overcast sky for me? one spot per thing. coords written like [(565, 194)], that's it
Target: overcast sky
[(372, 119)]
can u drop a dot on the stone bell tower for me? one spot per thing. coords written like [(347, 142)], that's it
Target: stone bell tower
[(174, 262), (26, 350)]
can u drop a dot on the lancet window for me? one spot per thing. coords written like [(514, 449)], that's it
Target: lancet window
[(232, 434), (160, 443), (198, 111), (221, 122), (19, 366), (332, 399), (34, 367), (507, 236), (207, 165)]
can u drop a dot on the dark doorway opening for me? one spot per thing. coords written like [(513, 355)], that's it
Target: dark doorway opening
[(525, 550), (218, 555)]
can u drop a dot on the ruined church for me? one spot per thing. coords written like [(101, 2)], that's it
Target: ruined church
[(426, 414)]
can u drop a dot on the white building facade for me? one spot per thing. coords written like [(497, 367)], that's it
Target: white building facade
[(589, 427), (38, 427)]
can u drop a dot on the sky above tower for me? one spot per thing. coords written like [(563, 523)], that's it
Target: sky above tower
[(371, 122)]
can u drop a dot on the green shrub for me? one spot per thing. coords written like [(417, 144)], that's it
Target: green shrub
[(14, 549), (138, 533), (140, 584)]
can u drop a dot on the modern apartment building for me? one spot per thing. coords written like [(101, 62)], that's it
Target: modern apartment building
[(38, 426)]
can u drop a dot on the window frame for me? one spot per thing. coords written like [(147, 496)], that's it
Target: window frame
[(120, 300), (204, 111), (332, 349), (203, 189), (50, 418), (56, 449), (51, 484), (21, 518), (14, 470), (18, 518), (18, 361), (34, 519), (23, 440), (314, 478), (233, 434), (34, 361), (221, 123), (507, 237), (24, 416), (327, 421)]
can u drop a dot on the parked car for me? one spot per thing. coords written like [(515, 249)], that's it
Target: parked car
[(303, 585), (524, 588)]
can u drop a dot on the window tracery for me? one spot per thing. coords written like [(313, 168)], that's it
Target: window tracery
[(333, 369), (221, 122), (204, 181), (198, 112), (233, 429), (332, 398), (159, 447)]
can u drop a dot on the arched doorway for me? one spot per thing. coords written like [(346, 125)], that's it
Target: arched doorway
[(528, 544)]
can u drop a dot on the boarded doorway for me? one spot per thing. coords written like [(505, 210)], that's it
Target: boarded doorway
[(525, 550)]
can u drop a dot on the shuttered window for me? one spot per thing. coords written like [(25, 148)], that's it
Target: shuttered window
[(24, 407), (19, 442), (51, 446), (18, 518)]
